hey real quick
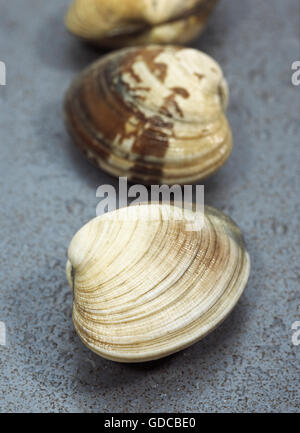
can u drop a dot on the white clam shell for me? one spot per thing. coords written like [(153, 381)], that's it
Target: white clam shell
[(145, 287)]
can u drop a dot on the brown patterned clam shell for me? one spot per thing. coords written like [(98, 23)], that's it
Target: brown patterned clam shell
[(154, 114), (115, 23), (144, 287)]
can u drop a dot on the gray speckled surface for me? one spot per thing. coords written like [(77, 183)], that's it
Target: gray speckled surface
[(48, 192)]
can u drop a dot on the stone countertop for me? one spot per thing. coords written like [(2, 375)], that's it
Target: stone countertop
[(48, 191)]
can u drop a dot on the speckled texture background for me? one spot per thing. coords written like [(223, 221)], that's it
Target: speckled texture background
[(48, 191)]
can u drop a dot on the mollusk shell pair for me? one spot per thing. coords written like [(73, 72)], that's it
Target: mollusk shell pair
[(145, 287), (154, 114), (119, 23)]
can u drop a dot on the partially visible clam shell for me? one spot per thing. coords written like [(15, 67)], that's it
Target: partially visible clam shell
[(154, 114), (145, 287), (115, 23)]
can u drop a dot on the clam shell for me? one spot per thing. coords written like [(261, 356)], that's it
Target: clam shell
[(115, 23), (154, 114), (145, 287)]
